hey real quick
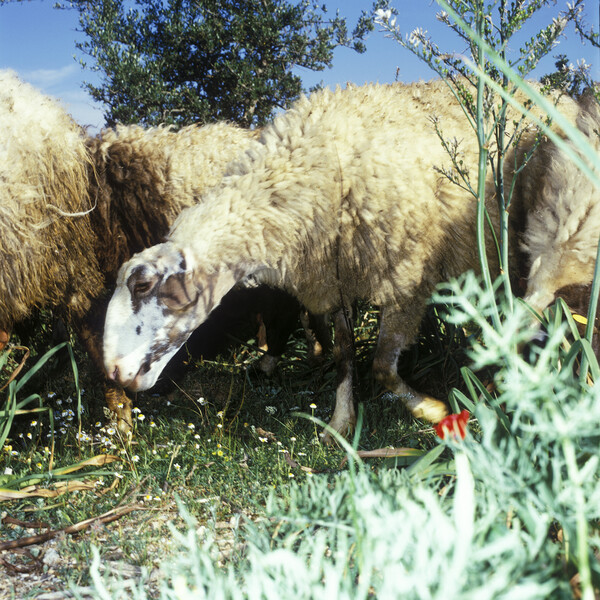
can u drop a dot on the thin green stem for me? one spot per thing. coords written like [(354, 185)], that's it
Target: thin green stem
[(482, 175), (591, 316), (581, 543)]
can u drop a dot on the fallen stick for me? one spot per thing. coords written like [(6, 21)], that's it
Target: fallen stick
[(111, 515)]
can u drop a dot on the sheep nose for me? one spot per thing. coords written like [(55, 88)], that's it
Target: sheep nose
[(114, 374)]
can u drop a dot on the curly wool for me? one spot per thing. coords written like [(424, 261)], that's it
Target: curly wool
[(46, 258), (143, 178)]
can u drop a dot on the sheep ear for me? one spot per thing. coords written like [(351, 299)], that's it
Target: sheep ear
[(178, 291)]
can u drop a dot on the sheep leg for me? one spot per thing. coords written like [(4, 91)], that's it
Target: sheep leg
[(344, 415), (393, 339), (269, 361), (316, 331)]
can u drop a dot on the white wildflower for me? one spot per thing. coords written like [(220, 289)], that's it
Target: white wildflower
[(382, 16), (417, 37)]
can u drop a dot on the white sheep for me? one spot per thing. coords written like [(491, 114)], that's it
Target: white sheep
[(342, 200)]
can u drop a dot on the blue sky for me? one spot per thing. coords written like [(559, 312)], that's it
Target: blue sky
[(38, 42)]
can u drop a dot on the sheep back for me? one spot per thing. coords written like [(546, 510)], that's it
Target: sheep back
[(143, 178), (347, 195)]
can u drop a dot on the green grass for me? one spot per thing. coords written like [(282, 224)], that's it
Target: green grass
[(220, 444), (235, 496)]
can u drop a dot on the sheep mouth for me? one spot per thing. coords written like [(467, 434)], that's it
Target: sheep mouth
[(140, 382)]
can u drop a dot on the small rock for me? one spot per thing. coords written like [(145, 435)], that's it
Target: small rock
[(51, 558)]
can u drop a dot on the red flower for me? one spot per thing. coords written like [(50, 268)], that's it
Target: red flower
[(455, 425)]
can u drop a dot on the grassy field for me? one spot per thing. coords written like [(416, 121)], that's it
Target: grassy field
[(220, 443), (225, 490)]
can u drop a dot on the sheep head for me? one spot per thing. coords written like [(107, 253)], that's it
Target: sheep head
[(563, 228), (162, 295)]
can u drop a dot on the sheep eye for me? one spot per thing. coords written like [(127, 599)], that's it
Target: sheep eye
[(142, 288)]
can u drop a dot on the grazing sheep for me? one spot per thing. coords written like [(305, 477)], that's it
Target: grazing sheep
[(141, 179), (563, 217), (73, 208), (342, 200)]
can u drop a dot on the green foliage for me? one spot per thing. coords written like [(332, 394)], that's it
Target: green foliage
[(540, 433), (567, 78), (15, 405), (515, 520), (187, 61)]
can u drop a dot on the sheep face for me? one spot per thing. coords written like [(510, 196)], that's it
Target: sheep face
[(562, 234), (160, 299)]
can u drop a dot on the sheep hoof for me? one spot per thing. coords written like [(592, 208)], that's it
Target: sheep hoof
[(4, 337), (119, 406), (345, 428), (124, 425), (431, 410)]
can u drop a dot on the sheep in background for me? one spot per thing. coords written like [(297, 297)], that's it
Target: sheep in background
[(562, 230), (143, 178), (47, 257), (73, 208), (340, 201)]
